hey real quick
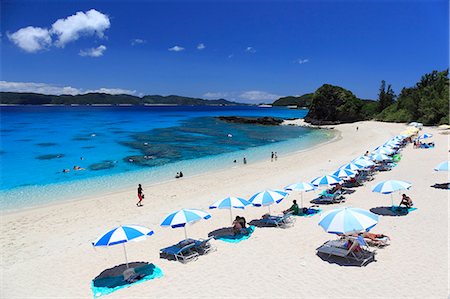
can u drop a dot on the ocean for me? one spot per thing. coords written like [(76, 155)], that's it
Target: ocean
[(120, 146)]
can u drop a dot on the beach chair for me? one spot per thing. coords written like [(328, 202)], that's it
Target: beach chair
[(181, 254), (338, 248), (203, 246), (284, 221), (330, 198)]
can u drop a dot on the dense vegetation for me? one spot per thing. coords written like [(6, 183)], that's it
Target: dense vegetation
[(102, 98), (426, 102), (333, 104), (302, 101)]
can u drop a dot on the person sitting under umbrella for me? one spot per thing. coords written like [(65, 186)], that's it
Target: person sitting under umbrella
[(406, 201), (294, 208), (239, 225)]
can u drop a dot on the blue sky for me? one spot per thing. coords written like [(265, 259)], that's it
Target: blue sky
[(252, 51)]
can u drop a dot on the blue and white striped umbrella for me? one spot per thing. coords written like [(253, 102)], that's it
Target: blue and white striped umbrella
[(442, 166), (380, 157), (347, 220), (363, 162), (387, 187), (182, 217), (326, 180), (267, 198), (229, 203), (400, 137), (391, 186), (352, 166), (383, 150), (302, 187), (123, 234), (345, 173), (425, 136)]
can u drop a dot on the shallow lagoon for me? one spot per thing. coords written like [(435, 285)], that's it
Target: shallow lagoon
[(118, 145)]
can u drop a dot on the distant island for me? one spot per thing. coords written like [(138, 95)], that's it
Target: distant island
[(303, 101), (18, 98), (426, 102)]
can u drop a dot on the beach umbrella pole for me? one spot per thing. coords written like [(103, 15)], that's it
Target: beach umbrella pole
[(125, 252), (269, 209), (392, 200), (301, 196), (231, 216), (185, 232)]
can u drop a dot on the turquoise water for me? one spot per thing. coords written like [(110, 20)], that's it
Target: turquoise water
[(121, 146)]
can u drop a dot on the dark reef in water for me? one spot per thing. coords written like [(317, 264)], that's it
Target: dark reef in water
[(266, 121), (45, 144), (200, 137), (50, 156), (102, 165)]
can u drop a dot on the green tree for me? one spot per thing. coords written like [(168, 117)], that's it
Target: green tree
[(426, 102), (386, 97)]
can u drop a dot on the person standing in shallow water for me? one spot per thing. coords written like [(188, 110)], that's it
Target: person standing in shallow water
[(140, 195), (245, 160)]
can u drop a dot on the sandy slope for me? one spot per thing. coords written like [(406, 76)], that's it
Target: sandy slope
[(46, 252)]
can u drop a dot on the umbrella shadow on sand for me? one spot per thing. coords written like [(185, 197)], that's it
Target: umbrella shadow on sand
[(221, 232), (388, 211), (343, 261), (118, 270), (445, 186)]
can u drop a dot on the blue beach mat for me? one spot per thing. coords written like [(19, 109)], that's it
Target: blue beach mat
[(108, 285), (237, 238), (397, 208), (310, 213)]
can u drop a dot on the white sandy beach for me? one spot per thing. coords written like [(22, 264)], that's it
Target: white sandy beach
[(47, 252)]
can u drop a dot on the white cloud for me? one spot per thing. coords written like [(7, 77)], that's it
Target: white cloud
[(201, 46), (301, 61), (45, 88), (112, 91), (80, 24), (251, 96), (250, 50), (138, 41), (93, 52), (176, 49), (216, 95), (31, 39), (257, 96)]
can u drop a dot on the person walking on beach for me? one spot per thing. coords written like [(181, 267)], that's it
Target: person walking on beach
[(140, 195), (271, 157), (245, 160), (275, 155)]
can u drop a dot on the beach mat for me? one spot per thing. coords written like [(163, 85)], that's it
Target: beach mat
[(237, 238), (106, 285), (310, 213), (397, 208)]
